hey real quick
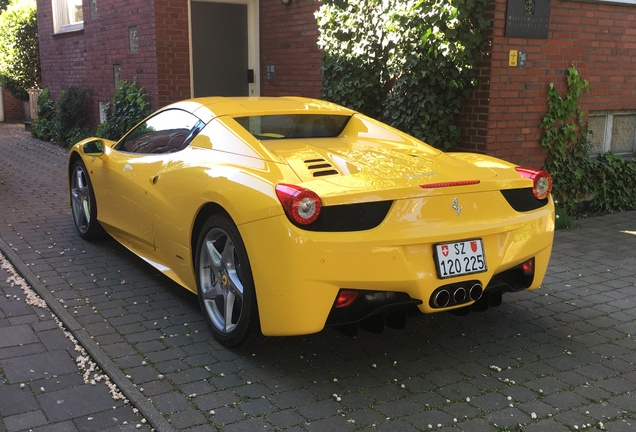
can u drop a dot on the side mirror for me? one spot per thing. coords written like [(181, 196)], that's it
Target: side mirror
[(93, 148)]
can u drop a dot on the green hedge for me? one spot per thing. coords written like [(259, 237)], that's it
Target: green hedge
[(582, 183), (19, 49), (410, 63)]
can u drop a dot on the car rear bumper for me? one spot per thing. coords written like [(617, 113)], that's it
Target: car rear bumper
[(298, 274)]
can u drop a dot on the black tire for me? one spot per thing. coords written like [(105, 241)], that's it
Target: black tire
[(225, 284), (83, 204)]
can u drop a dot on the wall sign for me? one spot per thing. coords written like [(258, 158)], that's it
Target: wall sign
[(528, 19)]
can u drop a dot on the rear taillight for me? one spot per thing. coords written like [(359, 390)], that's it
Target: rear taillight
[(541, 181), (301, 205)]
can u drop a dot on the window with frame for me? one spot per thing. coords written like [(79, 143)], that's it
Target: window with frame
[(67, 15), (613, 132)]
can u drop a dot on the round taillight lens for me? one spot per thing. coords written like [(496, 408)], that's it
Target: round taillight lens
[(301, 205), (541, 181)]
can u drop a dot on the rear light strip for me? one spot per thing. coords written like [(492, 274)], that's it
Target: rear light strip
[(449, 184)]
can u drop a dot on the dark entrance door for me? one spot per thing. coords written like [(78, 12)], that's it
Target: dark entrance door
[(219, 49)]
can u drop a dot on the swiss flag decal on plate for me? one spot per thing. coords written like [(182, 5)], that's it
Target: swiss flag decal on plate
[(445, 250)]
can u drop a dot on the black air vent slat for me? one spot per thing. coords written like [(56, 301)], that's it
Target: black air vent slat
[(325, 173), (325, 165), (320, 167)]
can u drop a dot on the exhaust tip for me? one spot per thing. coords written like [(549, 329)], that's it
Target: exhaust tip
[(459, 296), (456, 294), (475, 292), (442, 298)]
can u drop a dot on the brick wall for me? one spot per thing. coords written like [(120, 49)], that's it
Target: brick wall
[(88, 57), (288, 41), (503, 115), (13, 108), (106, 38), (172, 50)]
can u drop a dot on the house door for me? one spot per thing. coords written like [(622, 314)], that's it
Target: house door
[(221, 51)]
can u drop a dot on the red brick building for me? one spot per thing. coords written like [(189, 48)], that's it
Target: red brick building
[(176, 49), (598, 38)]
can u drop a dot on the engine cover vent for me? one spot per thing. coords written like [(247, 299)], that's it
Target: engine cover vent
[(320, 167)]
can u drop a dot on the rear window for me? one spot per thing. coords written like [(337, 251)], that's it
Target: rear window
[(282, 126)]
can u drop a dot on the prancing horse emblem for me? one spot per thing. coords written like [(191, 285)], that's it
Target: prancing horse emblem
[(457, 207)]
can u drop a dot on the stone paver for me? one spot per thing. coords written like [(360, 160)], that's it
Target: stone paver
[(42, 369), (559, 358)]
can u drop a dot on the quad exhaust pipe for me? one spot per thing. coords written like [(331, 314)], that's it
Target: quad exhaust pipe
[(456, 294)]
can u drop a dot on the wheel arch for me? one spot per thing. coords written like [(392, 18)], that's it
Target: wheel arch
[(72, 158), (209, 209)]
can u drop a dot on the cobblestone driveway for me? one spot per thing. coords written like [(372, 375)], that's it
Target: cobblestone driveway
[(557, 359)]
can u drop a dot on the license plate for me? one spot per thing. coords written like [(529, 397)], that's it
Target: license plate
[(460, 258)]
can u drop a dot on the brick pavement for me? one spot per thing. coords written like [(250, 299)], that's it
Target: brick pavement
[(557, 359)]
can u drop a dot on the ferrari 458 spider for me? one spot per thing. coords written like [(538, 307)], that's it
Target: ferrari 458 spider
[(287, 215)]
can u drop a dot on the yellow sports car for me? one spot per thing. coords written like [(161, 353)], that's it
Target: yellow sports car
[(286, 215)]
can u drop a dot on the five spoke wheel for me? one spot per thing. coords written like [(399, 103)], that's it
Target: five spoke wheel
[(221, 286), (83, 203), (225, 285)]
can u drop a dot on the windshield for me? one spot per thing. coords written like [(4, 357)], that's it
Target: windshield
[(281, 126)]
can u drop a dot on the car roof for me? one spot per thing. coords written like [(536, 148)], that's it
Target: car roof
[(207, 108)]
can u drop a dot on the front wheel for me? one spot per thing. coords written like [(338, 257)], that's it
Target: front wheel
[(225, 285), (83, 203)]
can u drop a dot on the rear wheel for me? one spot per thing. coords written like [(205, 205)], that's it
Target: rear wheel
[(83, 203), (225, 284)]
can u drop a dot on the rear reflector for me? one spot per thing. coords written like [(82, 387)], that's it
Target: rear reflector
[(345, 298), (528, 267)]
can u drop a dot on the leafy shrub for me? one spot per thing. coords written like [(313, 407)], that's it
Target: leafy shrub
[(19, 49), (66, 121), (44, 125), (563, 219), (615, 184), (71, 119), (128, 107), (605, 184), (567, 144), (410, 63)]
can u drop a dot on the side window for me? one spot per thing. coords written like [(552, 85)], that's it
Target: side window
[(166, 132)]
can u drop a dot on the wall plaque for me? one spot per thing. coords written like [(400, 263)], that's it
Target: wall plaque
[(528, 19)]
